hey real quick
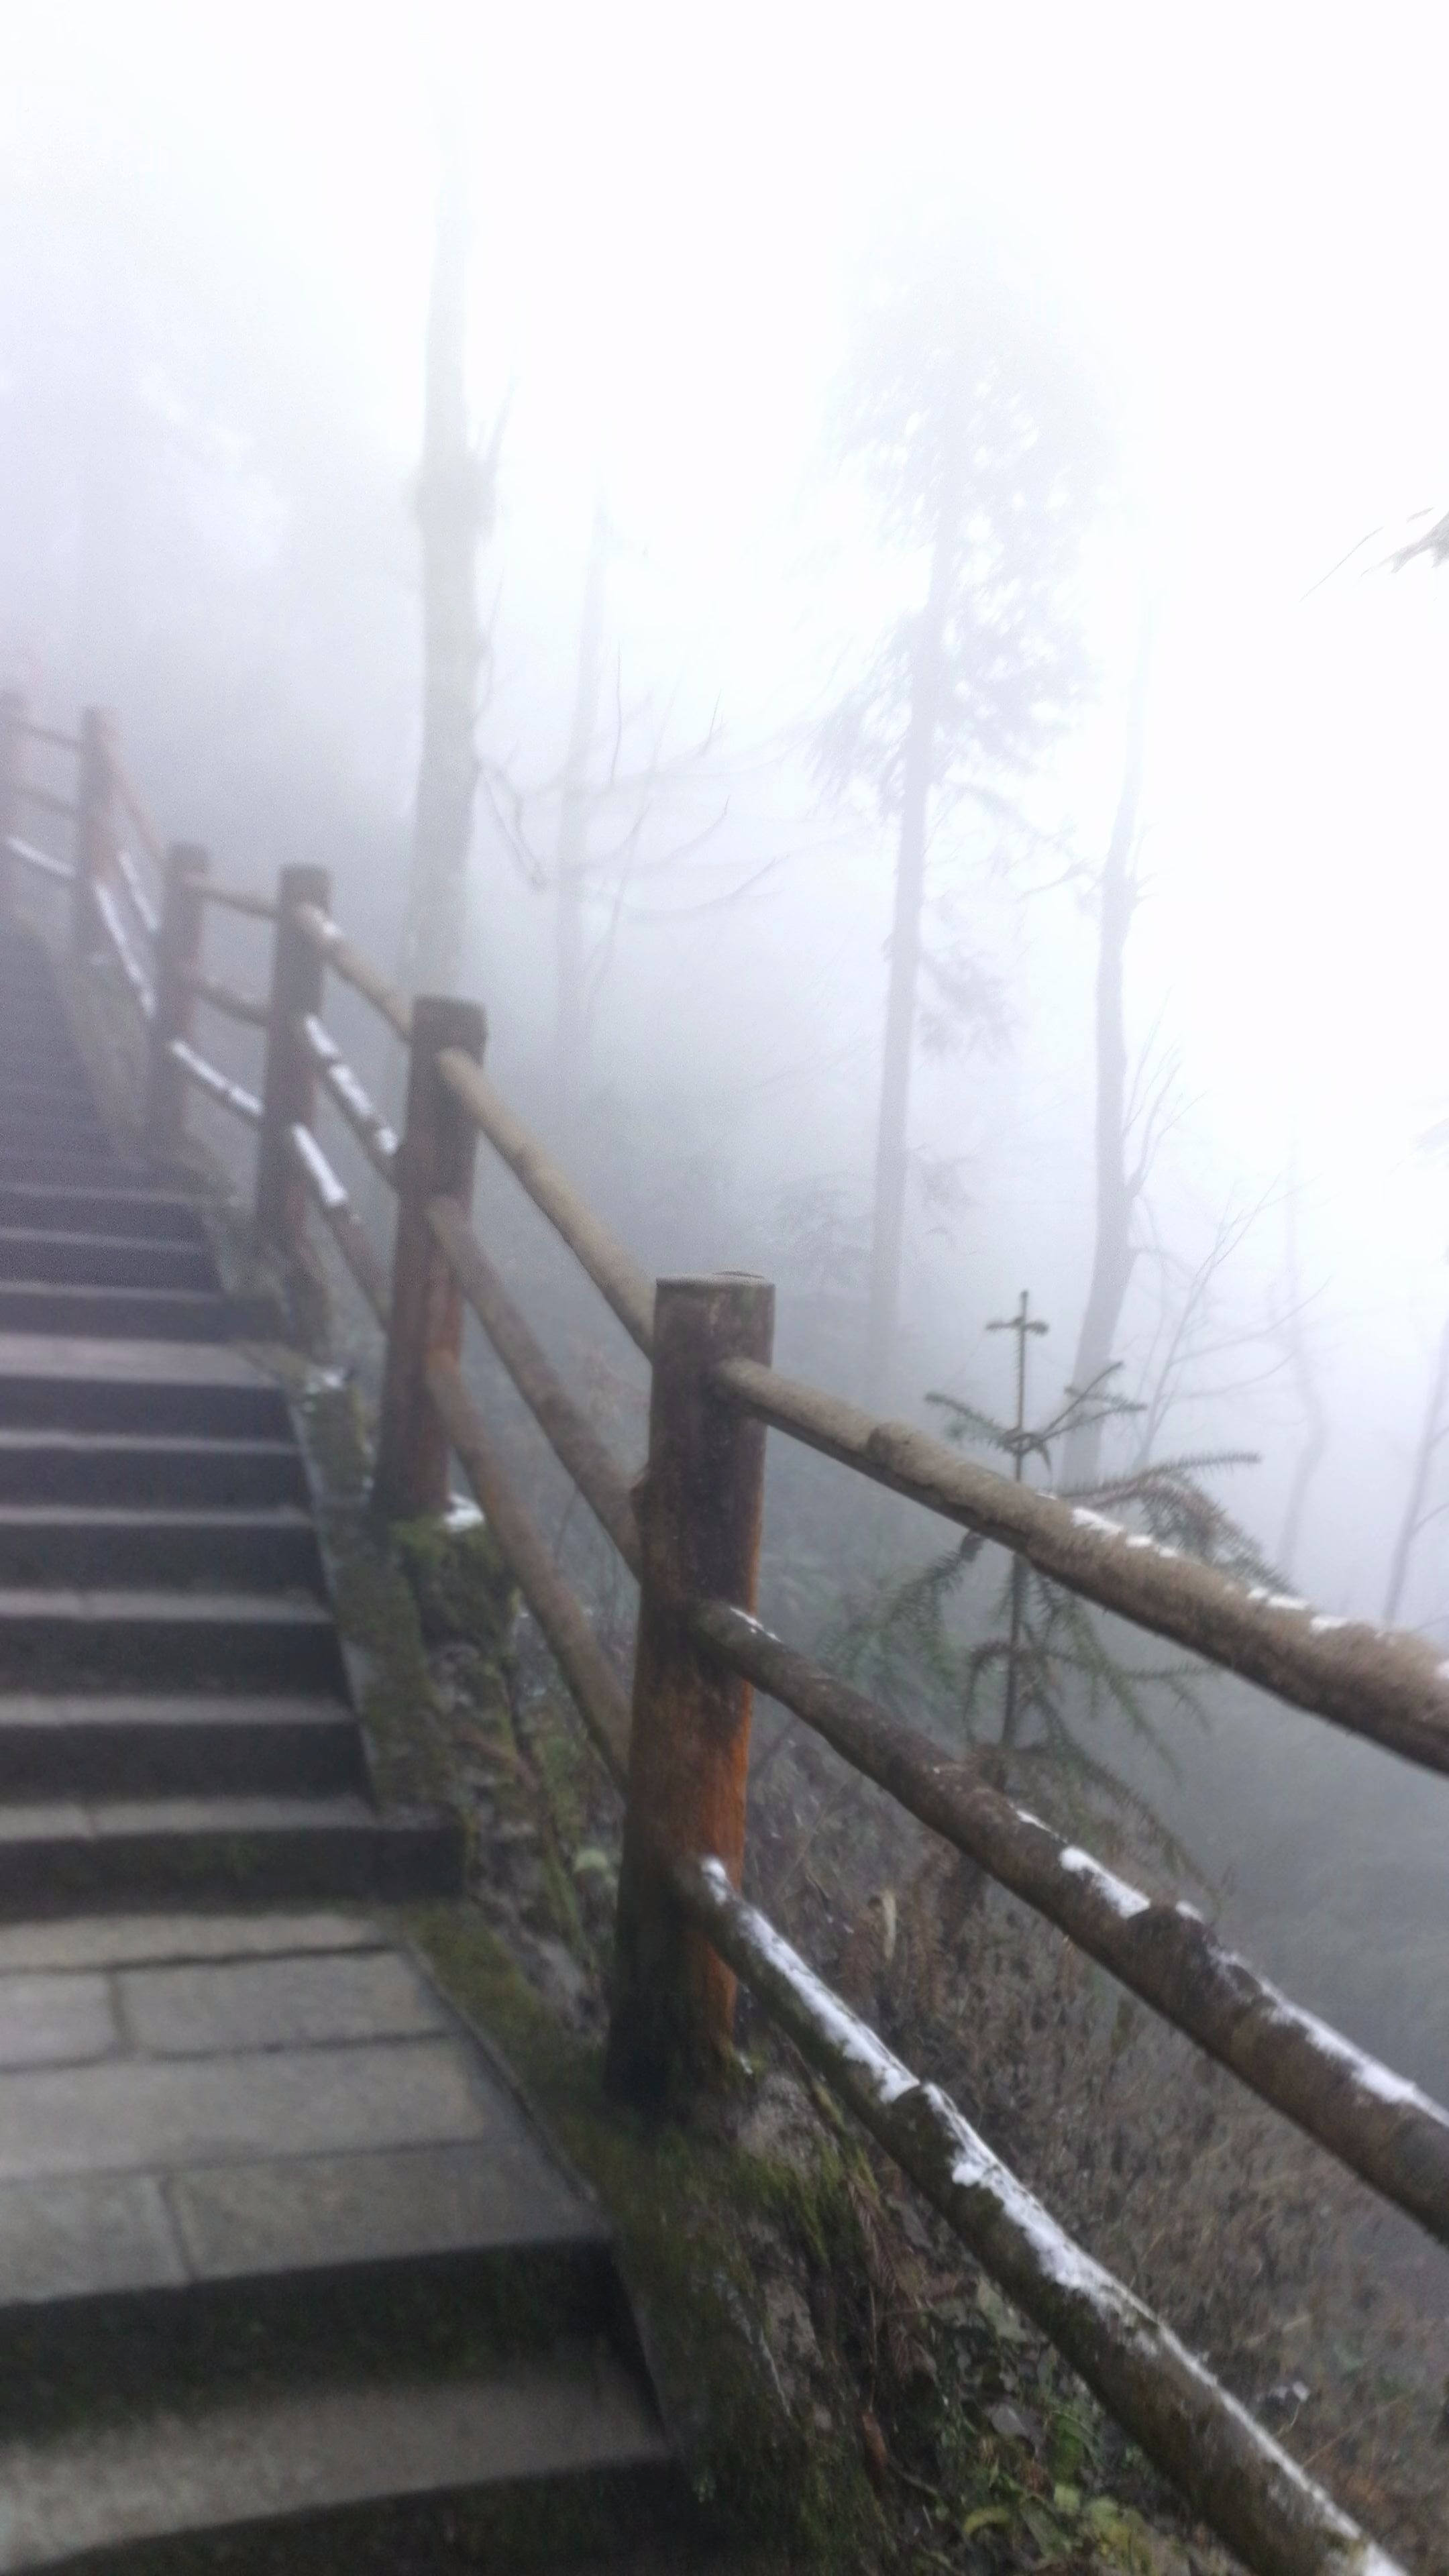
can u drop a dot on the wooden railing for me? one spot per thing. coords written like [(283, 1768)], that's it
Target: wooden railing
[(689, 1530)]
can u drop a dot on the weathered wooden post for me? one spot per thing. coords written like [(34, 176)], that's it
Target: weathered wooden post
[(94, 826), (700, 1504), (289, 1083), (435, 1160), (12, 753), (178, 951)]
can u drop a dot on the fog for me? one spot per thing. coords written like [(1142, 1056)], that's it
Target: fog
[(215, 246)]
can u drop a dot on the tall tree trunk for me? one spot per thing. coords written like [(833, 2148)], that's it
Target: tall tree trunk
[(571, 1022), (1116, 1188), (892, 1157), (1431, 1432), (455, 510), (1310, 1456), (105, 553)]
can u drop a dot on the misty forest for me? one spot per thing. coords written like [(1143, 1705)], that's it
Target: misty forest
[(869, 584)]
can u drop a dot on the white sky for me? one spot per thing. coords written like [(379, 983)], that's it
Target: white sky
[(1244, 208)]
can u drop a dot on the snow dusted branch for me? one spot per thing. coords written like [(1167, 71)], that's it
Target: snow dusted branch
[(1235, 2474)]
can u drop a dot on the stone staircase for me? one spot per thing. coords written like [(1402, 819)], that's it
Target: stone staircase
[(289, 2278), (175, 1717)]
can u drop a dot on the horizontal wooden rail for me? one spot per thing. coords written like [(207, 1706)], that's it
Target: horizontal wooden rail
[(1236, 2475), (1383, 1684), (138, 983), (233, 1006), (65, 806), (1372, 2120), (228, 1095), (134, 888), (40, 862), (257, 907), (48, 733), (572, 1437), (614, 1272), (355, 969), (340, 1217), (377, 1139), (565, 1628)]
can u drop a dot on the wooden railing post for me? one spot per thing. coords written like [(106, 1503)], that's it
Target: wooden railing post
[(12, 753), (434, 1160), (94, 826), (289, 1083), (178, 952), (699, 1504)]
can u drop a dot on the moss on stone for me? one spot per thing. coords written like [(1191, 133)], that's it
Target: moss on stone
[(463, 1590), (375, 1605), (688, 2207)]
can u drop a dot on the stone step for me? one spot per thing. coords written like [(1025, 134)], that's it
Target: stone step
[(105, 1260), (70, 1543), (546, 2441), (64, 1640), (161, 1216), (150, 1314), (23, 1165), (44, 1117), (64, 1856), (41, 1073), (23, 1085), (54, 1142), (47, 1467), (110, 1745), (78, 1382)]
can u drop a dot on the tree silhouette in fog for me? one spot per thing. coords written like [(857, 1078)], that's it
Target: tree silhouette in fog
[(984, 456)]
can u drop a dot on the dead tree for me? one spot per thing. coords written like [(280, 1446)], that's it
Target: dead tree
[(572, 861), (456, 493), (1118, 1184), (1433, 1429), (606, 800), (1291, 1335)]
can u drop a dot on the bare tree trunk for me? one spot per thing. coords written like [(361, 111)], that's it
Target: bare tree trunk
[(105, 552), (571, 1029), (1431, 1432), (1112, 1253), (892, 1158), (1310, 1456), (1306, 1466), (455, 513)]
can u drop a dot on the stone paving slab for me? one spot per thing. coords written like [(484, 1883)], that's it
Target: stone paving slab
[(106, 1820), (273, 2003), (212, 2098), (86, 2238), (114, 1818), (33, 1355), (195, 2100), (119, 1940), (56, 1711), (342, 2210), (48, 2020), (144, 2114)]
